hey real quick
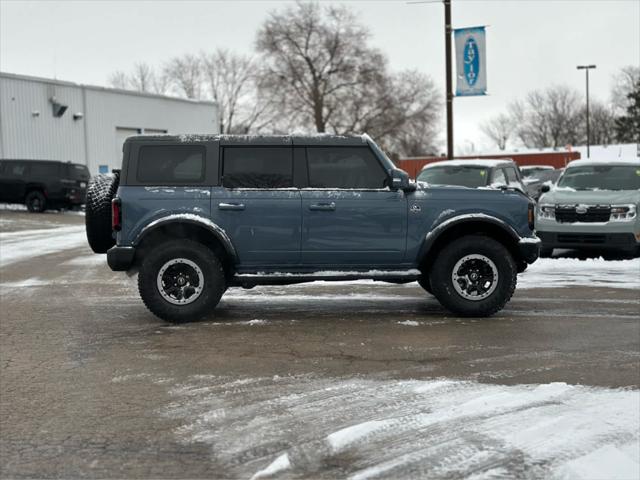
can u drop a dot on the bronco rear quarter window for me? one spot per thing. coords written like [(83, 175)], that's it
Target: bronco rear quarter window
[(171, 164), (257, 167)]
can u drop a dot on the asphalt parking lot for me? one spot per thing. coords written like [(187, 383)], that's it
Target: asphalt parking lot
[(355, 379)]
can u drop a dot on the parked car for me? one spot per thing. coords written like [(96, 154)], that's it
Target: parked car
[(534, 182), (198, 214), (528, 171), (593, 206), (41, 184), (473, 174)]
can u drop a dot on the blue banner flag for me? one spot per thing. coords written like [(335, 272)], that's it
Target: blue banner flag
[(471, 61)]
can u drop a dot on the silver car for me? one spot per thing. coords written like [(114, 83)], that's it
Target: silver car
[(593, 206)]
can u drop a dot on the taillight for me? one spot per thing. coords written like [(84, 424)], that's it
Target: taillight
[(531, 216), (116, 214)]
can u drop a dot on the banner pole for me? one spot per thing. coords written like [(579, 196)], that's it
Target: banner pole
[(447, 49)]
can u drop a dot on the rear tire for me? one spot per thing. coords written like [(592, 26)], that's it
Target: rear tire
[(36, 202), (484, 272), (100, 192), (181, 281)]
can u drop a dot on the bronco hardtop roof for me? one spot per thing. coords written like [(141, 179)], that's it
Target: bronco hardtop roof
[(318, 139)]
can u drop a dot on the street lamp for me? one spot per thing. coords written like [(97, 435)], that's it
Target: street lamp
[(586, 68)]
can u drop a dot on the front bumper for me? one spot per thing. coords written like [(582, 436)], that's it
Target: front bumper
[(580, 240), (120, 259), (529, 248)]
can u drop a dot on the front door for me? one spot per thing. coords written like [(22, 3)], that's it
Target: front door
[(258, 206), (349, 216)]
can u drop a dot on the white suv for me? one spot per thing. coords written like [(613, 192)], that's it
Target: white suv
[(594, 205)]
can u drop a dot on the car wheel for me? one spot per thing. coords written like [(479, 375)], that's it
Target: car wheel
[(423, 281), (100, 192), (474, 276), (181, 281), (35, 201)]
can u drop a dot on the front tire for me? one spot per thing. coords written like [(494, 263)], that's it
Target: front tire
[(36, 202), (474, 276), (181, 281)]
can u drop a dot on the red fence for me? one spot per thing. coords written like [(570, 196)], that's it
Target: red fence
[(413, 165)]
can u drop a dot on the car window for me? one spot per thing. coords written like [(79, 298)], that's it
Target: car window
[(171, 164), (471, 176), (16, 169), (344, 167), (512, 176), (498, 177), (78, 172), (45, 169), (257, 167), (601, 177)]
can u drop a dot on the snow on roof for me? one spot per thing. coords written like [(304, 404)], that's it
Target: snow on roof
[(472, 162), (537, 167), (593, 161)]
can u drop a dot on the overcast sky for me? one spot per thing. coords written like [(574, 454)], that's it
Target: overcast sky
[(530, 43)]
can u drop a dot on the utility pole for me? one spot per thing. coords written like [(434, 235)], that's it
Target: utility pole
[(586, 68), (447, 49)]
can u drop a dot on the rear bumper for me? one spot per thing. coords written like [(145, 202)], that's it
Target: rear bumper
[(600, 241), (120, 259)]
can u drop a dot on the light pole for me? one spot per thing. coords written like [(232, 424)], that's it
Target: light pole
[(586, 68)]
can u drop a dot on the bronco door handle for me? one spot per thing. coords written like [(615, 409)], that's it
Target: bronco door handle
[(327, 207), (231, 206)]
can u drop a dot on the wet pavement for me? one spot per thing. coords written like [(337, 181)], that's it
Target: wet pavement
[(93, 385)]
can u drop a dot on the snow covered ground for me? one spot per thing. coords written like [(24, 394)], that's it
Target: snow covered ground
[(594, 272), (25, 244), (361, 428)]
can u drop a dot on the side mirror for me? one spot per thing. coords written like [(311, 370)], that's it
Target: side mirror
[(399, 180), (545, 188)]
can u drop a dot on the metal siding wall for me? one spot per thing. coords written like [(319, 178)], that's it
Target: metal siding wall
[(44, 137), (48, 137), (110, 110)]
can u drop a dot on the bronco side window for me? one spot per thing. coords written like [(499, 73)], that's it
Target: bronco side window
[(171, 164), (344, 167), (257, 167)]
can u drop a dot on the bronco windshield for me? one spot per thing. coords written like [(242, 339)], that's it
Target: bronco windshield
[(601, 177), (463, 176)]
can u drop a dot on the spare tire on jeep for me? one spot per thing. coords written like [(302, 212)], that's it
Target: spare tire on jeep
[(100, 192)]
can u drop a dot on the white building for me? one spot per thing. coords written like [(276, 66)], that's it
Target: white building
[(44, 119)]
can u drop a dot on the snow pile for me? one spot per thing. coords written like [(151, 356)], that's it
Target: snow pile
[(363, 428), (25, 244), (568, 272)]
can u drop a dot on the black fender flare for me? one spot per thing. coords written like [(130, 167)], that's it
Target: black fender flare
[(190, 219), (432, 237)]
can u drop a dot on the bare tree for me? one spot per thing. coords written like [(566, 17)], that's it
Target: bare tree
[(549, 118), (624, 83), (142, 77), (119, 79), (314, 56), (232, 80), (602, 123), (318, 62), (499, 129), (184, 74)]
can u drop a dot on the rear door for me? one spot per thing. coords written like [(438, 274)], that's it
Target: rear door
[(257, 204), (349, 216)]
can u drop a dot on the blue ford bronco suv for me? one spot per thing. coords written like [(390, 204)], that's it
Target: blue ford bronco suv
[(197, 214)]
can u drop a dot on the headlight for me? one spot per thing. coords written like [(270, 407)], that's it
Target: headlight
[(547, 211), (623, 213)]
